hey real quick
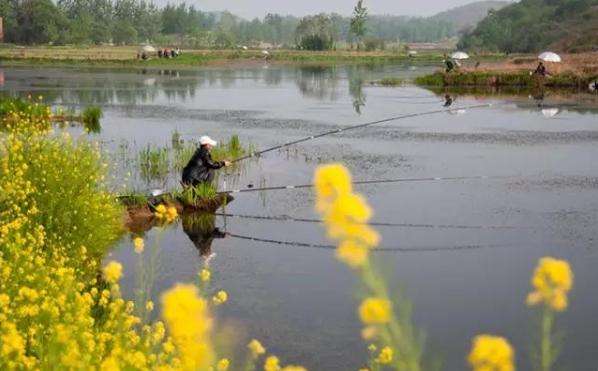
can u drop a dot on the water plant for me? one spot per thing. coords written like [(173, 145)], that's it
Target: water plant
[(154, 163), (91, 119)]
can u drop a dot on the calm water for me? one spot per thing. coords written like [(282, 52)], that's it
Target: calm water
[(300, 301)]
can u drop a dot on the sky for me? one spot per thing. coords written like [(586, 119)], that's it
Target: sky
[(250, 9)]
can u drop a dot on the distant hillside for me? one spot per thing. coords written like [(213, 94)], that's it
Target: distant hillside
[(466, 17), (535, 25)]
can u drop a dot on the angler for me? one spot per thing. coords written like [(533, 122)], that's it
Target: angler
[(201, 167)]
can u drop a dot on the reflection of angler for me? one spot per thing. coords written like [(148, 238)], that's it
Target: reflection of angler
[(201, 230), (448, 101)]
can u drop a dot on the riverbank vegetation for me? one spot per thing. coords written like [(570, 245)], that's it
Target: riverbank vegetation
[(126, 56), (89, 118), (60, 305)]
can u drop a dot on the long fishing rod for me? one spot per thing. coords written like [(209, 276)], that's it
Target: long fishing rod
[(287, 218), (362, 182), (358, 126), (380, 249)]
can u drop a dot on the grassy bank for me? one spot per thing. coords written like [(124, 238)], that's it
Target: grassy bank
[(126, 56), (506, 78)]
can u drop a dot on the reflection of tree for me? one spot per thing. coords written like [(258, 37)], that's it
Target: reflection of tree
[(201, 230), (355, 75), (318, 81)]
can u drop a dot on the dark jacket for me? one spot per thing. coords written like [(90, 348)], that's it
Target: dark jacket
[(201, 167)]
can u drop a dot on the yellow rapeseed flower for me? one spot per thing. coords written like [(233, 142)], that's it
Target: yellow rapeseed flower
[(138, 244), (352, 253), (256, 348), (330, 182), (491, 353), (223, 365), (272, 364), (204, 275), (166, 214), (149, 306), (385, 356), (220, 298), (294, 368), (113, 272), (552, 280), (375, 311), (189, 321)]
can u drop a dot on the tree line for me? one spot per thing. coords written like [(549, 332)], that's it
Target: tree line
[(136, 21), (532, 25)]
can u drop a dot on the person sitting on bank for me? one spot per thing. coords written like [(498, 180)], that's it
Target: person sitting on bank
[(449, 64), (201, 167), (540, 70)]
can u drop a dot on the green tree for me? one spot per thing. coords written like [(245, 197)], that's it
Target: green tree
[(124, 33), (316, 32), (37, 22), (359, 22)]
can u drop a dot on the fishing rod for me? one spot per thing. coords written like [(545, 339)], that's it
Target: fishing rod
[(360, 182), (353, 127), (377, 249), (363, 182), (285, 218)]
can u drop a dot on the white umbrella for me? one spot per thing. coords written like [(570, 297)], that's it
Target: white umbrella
[(459, 55), (550, 57), (593, 86), (149, 49), (550, 112), (265, 52)]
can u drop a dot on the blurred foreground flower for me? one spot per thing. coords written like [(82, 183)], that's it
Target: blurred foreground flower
[(113, 272), (138, 244), (491, 353), (188, 318), (551, 281)]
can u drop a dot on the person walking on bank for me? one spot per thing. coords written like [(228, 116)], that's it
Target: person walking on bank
[(201, 167)]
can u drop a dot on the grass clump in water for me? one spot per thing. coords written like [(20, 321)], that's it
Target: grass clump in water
[(154, 163), (91, 119), (390, 81)]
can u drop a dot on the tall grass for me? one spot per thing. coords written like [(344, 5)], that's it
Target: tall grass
[(154, 163), (91, 119)]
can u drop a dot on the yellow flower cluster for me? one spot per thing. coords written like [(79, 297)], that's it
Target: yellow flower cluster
[(385, 356), (138, 244), (166, 214), (551, 281), (220, 298), (491, 353), (189, 321), (55, 225), (345, 214), (375, 311), (256, 348), (204, 275), (113, 272)]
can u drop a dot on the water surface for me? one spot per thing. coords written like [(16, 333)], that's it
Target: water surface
[(469, 279)]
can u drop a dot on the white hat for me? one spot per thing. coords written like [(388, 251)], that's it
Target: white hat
[(207, 140)]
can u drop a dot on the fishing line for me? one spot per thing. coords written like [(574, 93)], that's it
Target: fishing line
[(358, 126), (381, 249), (364, 182), (285, 218)]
